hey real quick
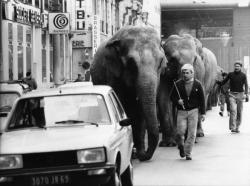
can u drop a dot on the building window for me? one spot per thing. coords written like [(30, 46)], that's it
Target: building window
[(51, 78), (117, 22), (28, 49), (20, 61), (37, 3), (44, 77), (28, 59), (10, 31), (46, 5), (10, 62), (20, 33)]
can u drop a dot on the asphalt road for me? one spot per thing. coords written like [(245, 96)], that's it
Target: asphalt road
[(221, 158)]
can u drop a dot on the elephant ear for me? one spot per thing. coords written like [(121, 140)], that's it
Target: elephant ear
[(199, 48)]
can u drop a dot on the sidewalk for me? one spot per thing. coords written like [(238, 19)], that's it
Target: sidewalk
[(221, 158)]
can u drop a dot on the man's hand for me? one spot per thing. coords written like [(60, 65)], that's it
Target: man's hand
[(202, 117), (181, 102), (247, 98)]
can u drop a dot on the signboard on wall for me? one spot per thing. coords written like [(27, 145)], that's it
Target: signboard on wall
[(96, 34), (59, 23)]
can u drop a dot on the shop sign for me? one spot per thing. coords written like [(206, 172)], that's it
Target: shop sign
[(96, 33), (78, 44), (59, 23), (27, 16)]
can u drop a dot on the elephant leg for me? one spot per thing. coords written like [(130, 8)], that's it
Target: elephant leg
[(209, 102), (168, 137), (139, 131), (200, 132), (167, 126), (153, 138)]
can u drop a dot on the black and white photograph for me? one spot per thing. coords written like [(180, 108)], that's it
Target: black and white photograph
[(124, 92)]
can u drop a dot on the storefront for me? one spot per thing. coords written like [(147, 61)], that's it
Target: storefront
[(26, 43)]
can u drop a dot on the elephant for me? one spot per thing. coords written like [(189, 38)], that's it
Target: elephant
[(214, 94), (131, 62), (180, 50)]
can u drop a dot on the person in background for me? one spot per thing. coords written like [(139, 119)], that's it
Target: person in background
[(86, 71), (79, 78), (31, 82), (224, 97), (238, 92), (188, 97)]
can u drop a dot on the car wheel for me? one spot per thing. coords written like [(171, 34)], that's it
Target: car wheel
[(115, 180), (127, 176)]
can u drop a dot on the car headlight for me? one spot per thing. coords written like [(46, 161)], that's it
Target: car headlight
[(97, 155), (11, 162)]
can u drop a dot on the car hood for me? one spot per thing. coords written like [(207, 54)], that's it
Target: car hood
[(55, 139)]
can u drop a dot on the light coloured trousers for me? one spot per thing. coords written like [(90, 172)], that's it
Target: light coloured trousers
[(187, 122), (236, 107)]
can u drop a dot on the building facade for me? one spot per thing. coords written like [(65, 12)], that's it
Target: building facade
[(27, 44), (223, 27), (94, 21)]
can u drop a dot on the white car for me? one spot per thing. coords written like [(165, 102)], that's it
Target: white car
[(67, 136)]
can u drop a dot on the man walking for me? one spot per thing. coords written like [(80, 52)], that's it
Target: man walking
[(223, 97), (188, 97), (238, 92)]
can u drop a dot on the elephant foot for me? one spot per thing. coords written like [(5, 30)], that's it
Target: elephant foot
[(200, 134), (170, 143), (196, 141), (209, 108), (144, 156), (163, 144), (134, 154)]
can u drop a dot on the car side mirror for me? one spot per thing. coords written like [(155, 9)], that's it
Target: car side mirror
[(125, 122)]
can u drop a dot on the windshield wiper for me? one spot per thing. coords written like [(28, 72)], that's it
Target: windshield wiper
[(75, 121), (69, 121)]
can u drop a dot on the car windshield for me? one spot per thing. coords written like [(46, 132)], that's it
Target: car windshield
[(7, 100), (60, 110)]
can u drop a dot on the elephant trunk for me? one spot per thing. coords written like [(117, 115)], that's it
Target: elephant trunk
[(147, 90)]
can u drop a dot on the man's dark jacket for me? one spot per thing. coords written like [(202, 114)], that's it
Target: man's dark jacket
[(196, 98), (237, 82)]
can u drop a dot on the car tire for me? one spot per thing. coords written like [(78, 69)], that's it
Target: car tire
[(115, 179), (127, 176)]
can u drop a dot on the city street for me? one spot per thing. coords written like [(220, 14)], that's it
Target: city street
[(221, 158)]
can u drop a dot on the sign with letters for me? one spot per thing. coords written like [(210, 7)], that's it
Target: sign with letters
[(59, 23), (96, 34)]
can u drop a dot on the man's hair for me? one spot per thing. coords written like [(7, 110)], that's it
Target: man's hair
[(238, 63), (187, 67), (28, 73)]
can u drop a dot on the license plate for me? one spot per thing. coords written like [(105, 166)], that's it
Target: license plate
[(50, 180)]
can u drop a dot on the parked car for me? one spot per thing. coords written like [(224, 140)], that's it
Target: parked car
[(67, 136), (9, 92)]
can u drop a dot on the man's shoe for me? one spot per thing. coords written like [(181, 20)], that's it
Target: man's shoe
[(181, 151), (221, 113), (235, 130), (188, 158)]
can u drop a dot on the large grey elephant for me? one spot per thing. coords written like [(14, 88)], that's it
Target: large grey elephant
[(131, 62), (180, 50)]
